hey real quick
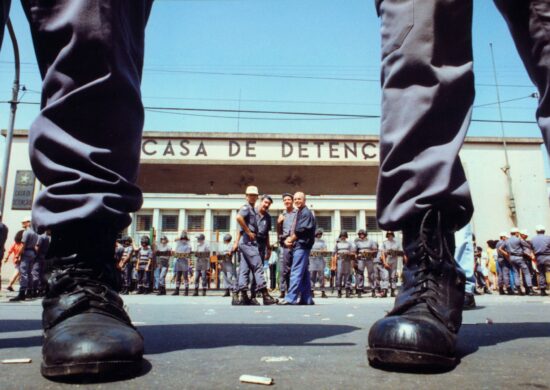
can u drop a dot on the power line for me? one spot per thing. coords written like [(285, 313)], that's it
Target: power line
[(295, 113)]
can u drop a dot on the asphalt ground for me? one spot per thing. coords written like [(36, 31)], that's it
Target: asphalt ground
[(205, 343)]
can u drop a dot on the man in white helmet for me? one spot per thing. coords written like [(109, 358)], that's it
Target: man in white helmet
[(504, 266)]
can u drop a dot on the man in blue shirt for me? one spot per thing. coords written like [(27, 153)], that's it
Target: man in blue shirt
[(301, 239), (541, 248)]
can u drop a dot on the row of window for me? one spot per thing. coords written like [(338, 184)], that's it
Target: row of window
[(222, 223)]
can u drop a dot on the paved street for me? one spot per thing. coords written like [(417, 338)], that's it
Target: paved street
[(204, 343)]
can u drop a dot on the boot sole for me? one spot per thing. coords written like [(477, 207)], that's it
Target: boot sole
[(384, 357), (118, 369)]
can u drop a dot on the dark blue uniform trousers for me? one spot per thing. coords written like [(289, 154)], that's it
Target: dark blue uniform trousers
[(85, 143), (250, 263), (427, 64)]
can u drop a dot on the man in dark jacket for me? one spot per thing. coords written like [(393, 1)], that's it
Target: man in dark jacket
[(301, 239)]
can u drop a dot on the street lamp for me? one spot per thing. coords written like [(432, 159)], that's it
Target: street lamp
[(13, 109)]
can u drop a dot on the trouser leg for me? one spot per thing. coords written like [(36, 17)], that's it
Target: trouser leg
[(464, 256), (369, 265), (286, 264), (382, 277), (427, 96), (360, 278), (529, 24), (4, 13), (156, 277), (25, 272), (90, 56), (178, 277), (36, 273), (393, 273), (162, 276), (204, 279), (516, 264), (299, 277), (500, 275)]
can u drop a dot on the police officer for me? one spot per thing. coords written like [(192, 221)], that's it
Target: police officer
[(504, 265), (541, 249), (381, 276), (317, 262), (125, 264), (27, 255), (343, 255), (367, 250), (202, 264), (515, 248), (528, 255), (181, 264), (163, 253), (143, 265), (251, 261), (264, 247), (42, 246), (284, 225), (391, 250), (225, 254)]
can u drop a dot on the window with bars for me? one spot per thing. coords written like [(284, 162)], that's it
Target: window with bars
[(372, 224), (144, 222), (348, 223), (221, 223), (195, 223), (169, 223), (324, 222)]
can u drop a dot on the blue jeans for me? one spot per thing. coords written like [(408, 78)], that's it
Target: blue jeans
[(464, 256), (300, 282)]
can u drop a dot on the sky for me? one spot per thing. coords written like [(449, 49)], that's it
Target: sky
[(282, 56)]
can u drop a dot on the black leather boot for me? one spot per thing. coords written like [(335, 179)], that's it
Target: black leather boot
[(323, 295), (501, 290), (186, 292), (162, 291), (203, 292), (226, 293), (235, 301), (348, 293), (421, 330), (510, 291), (359, 293), (543, 292), (529, 291), (19, 297), (339, 293), (87, 332), (245, 299), (268, 299), (373, 293), (393, 292), (176, 291), (196, 293)]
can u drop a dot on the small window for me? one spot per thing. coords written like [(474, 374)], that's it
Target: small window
[(372, 224), (348, 223), (324, 222), (144, 223), (169, 223), (221, 223), (195, 223)]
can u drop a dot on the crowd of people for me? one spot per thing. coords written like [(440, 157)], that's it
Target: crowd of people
[(513, 261)]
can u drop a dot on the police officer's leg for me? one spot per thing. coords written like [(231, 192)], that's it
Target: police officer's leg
[(24, 278), (90, 55), (369, 265), (196, 277), (4, 13), (384, 280), (393, 275), (305, 283), (542, 277), (299, 267), (529, 24)]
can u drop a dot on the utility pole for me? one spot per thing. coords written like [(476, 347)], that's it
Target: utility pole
[(13, 109), (506, 167)]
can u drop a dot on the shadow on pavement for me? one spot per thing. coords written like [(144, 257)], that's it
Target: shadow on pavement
[(473, 336), (167, 338)]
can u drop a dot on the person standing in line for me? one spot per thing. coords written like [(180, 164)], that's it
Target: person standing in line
[(381, 276), (541, 249), (3, 238), (284, 223), (264, 247), (181, 264), (503, 260), (529, 256), (14, 250), (27, 254), (342, 255), (391, 251), (317, 263), (163, 253), (366, 252), (300, 240), (125, 264), (250, 260), (143, 265), (514, 249), (202, 264), (37, 272), (225, 256)]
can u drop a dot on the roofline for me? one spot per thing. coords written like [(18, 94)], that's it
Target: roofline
[(21, 133)]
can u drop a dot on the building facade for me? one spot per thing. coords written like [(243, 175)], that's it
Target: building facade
[(195, 182)]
